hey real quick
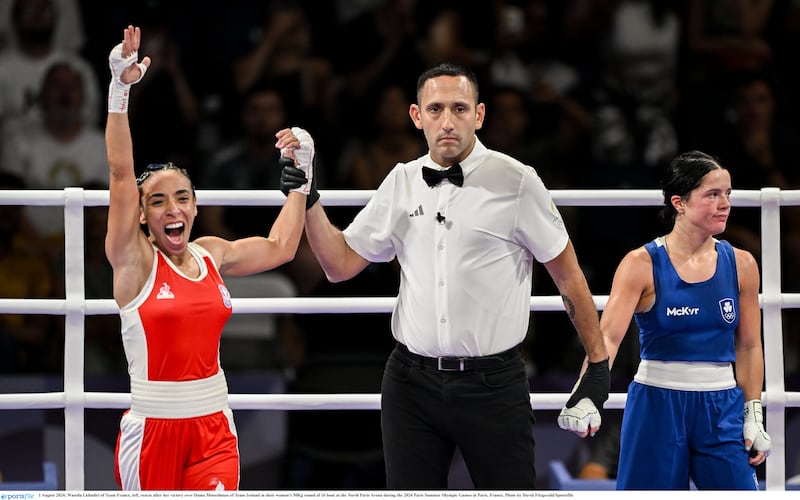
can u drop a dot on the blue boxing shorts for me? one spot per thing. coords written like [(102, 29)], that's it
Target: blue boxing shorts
[(671, 436)]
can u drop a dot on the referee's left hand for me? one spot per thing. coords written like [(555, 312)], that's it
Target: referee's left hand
[(583, 419), (581, 414)]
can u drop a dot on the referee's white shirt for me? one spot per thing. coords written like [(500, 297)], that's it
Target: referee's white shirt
[(465, 283)]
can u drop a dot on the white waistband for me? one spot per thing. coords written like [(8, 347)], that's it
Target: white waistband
[(686, 375), (184, 399)]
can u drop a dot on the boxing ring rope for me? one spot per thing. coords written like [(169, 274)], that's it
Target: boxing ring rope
[(75, 307)]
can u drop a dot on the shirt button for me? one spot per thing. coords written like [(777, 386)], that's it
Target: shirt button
[(441, 247), (441, 283), (443, 320)]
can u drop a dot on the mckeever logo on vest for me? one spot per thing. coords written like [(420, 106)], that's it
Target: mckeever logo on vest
[(683, 311), (726, 309)]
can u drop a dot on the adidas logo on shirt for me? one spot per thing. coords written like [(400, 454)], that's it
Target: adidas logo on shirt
[(417, 212)]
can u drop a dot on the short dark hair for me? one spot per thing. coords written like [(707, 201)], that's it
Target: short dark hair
[(447, 69), (684, 174)]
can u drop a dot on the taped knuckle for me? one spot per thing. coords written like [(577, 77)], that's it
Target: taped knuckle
[(302, 135), (763, 442), (566, 423), (577, 426), (749, 432), (571, 421)]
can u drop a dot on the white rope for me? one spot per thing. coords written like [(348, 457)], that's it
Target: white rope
[(117, 400), (354, 197), (301, 305), (104, 400)]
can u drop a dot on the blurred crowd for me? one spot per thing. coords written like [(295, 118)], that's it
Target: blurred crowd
[(591, 93)]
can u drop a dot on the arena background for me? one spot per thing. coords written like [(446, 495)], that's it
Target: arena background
[(595, 95)]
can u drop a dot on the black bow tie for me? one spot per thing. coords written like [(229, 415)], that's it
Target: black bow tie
[(433, 177)]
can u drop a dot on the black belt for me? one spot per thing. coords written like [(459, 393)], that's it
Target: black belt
[(459, 364)]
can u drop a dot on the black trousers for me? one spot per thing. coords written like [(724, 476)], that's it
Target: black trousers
[(427, 413)]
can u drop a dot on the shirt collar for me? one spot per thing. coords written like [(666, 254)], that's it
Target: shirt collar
[(471, 162)]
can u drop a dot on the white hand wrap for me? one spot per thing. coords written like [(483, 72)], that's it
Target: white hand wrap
[(117, 90), (581, 418), (304, 158), (754, 427)]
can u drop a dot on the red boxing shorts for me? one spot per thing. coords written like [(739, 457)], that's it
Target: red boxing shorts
[(163, 446)]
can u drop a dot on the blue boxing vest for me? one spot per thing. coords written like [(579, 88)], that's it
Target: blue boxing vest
[(691, 321)]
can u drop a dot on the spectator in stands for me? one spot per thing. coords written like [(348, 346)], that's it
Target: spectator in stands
[(367, 159), (63, 150), (166, 107), (722, 38), (69, 33), (23, 65)]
